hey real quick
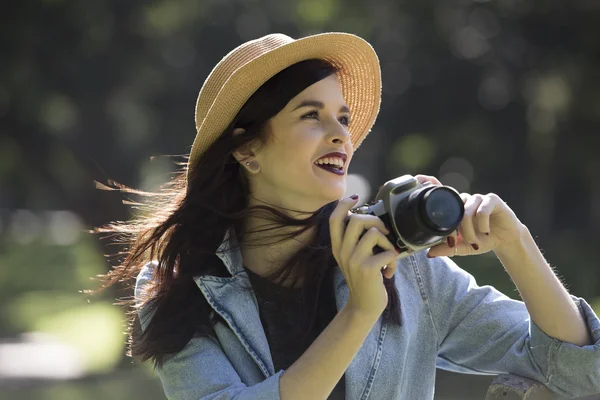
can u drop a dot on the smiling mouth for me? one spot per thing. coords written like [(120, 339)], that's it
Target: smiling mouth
[(331, 168)]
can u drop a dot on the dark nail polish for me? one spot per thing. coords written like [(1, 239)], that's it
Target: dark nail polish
[(475, 246), (451, 241), (487, 234), (354, 197)]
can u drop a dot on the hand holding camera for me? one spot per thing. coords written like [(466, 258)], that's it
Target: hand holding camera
[(418, 213), (406, 216), (352, 247), (412, 214), (488, 224)]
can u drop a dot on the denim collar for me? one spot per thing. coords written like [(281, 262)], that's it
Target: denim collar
[(242, 316), (229, 252)]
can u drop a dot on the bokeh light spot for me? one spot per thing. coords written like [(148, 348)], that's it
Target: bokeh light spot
[(413, 152)]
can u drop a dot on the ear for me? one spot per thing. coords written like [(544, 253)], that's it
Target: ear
[(243, 153), (238, 131)]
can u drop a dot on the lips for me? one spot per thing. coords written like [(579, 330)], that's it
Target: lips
[(334, 169), (331, 168)]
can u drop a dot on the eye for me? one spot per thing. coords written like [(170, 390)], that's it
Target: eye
[(343, 120), (312, 113)]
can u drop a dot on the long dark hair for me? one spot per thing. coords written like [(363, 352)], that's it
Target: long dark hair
[(182, 225)]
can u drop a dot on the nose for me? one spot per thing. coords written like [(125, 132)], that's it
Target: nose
[(338, 134)]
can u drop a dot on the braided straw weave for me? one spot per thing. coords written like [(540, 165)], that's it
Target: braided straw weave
[(241, 72)]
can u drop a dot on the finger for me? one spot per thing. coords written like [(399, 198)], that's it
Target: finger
[(446, 248), (363, 252), (336, 223), (466, 226), (356, 221), (356, 227), (459, 230), (389, 259), (452, 239), (391, 268), (440, 250), (483, 213), (428, 178)]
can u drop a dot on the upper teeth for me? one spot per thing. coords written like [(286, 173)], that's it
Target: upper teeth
[(331, 160)]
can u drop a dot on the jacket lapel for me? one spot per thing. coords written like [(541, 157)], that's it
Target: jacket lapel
[(233, 299)]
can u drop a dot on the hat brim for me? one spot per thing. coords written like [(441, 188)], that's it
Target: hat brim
[(359, 75)]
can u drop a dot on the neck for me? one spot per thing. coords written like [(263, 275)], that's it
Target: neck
[(261, 255)]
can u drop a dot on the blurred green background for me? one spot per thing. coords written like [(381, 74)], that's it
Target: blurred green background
[(490, 96)]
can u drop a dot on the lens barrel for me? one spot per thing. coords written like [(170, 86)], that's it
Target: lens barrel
[(441, 209), (428, 214)]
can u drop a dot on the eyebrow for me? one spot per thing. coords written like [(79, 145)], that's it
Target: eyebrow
[(319, 105)]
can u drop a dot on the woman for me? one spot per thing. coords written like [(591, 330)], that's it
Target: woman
[(250, 285)]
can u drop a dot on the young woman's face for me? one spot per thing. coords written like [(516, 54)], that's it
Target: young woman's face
[(312, 124)]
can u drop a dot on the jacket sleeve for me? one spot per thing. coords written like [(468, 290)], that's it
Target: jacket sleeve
[(202, 371), (482, 331)]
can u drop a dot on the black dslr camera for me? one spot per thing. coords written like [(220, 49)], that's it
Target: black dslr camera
[(418, 216)]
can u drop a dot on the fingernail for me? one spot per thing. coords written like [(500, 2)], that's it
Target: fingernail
[(429, 256), (475, 246), (451, 241), (487, 234), (354, 196)]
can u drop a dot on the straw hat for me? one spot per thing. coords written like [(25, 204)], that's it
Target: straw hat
[(246, 68)]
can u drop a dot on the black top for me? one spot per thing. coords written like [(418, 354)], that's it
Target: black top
[(281, 315)]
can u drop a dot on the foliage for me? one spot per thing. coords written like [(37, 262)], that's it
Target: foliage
[(491, 96)]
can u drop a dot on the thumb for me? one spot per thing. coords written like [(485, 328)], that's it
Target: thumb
[(441, 250)]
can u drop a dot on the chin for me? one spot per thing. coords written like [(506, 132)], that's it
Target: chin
[(335, 194)]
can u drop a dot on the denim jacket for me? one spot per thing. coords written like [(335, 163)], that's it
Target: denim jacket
[(449, 322)]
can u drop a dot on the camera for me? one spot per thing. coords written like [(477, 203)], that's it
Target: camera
[(418, 215)]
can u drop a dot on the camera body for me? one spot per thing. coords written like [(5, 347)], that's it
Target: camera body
[(418, 215)]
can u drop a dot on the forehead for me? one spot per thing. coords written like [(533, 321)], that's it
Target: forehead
[(327, 90)]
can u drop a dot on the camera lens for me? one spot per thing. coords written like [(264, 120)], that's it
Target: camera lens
[(442, 209)]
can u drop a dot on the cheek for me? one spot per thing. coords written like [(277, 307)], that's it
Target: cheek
[(289, 163), (297, 155), (293, 154), (297, 163)]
